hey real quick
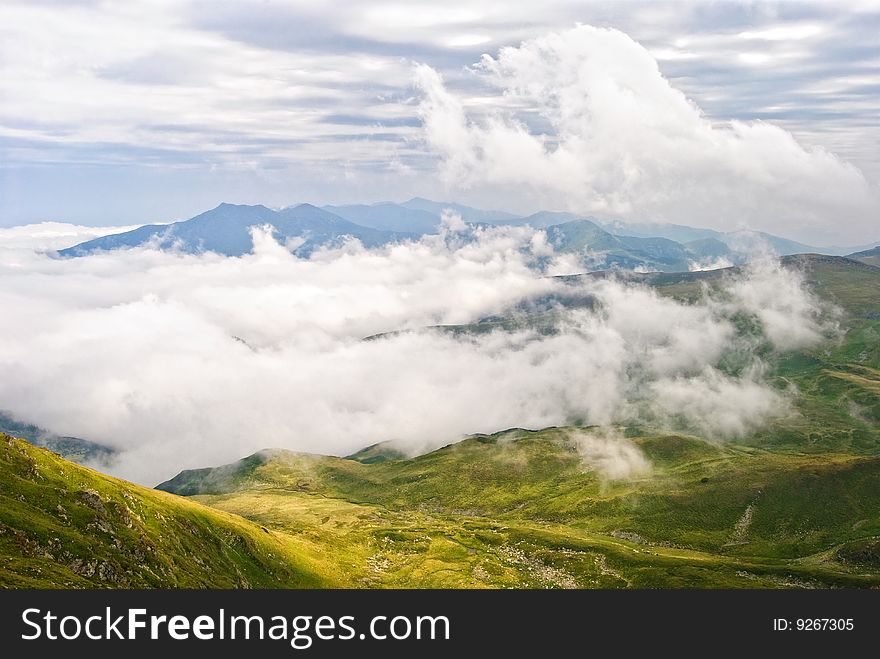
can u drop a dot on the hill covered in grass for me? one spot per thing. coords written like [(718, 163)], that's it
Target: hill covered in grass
[(500, 510), (63, 525), (514, 509)]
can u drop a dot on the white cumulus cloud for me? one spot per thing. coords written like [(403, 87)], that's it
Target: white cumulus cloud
[(610, 134)]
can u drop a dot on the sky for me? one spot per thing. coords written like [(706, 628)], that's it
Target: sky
[(735, 114)]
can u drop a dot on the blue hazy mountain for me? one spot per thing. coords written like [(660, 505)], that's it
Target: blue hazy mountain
[(736, 241), (746, 241), (388, 216), (710, 248), (544, 219), (749, 241), (869, 256), (468, 214), (423, 216), (601, 249), (226, 229), (678, 232)]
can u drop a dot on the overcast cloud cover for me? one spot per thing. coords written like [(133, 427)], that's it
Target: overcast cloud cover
[(152, 110), (183, 361)]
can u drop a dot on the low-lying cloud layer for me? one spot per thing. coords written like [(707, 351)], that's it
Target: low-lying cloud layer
[(47, 236), (588, 118), (182, 361)]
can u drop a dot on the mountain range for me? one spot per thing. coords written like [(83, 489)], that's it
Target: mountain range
[(227, 229)]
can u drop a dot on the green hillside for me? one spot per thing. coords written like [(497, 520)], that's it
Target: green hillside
[(519, 504), (605, 250), (63, 525), (695, 495)]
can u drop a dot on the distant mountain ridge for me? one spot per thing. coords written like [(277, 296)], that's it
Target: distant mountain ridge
[(388, 216), (601, 250), (869, 256), (227, 229), (468, 213)]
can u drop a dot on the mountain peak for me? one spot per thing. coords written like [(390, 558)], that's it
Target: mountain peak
[(226, 204), (226, 230)]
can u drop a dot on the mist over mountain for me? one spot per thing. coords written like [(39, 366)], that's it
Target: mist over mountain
[(592, 243), (388, 216), (174, 359), (226, 230), (544, 219), (75, 449), (468, 214)]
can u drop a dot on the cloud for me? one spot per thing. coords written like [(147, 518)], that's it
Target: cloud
[(183, 361), (49, 236), (106, 83), (709, 264), (617, 138), (714, 404), (242, 103), (775, 296), (611, 454)]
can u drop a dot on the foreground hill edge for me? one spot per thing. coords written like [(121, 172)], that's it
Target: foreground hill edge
[(67, 526)]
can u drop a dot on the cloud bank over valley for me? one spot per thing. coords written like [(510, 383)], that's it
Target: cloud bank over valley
[(181, 361)]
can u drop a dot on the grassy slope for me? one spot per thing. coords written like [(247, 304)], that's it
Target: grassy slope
[(63, 525), (515, 506), (839, 381)]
